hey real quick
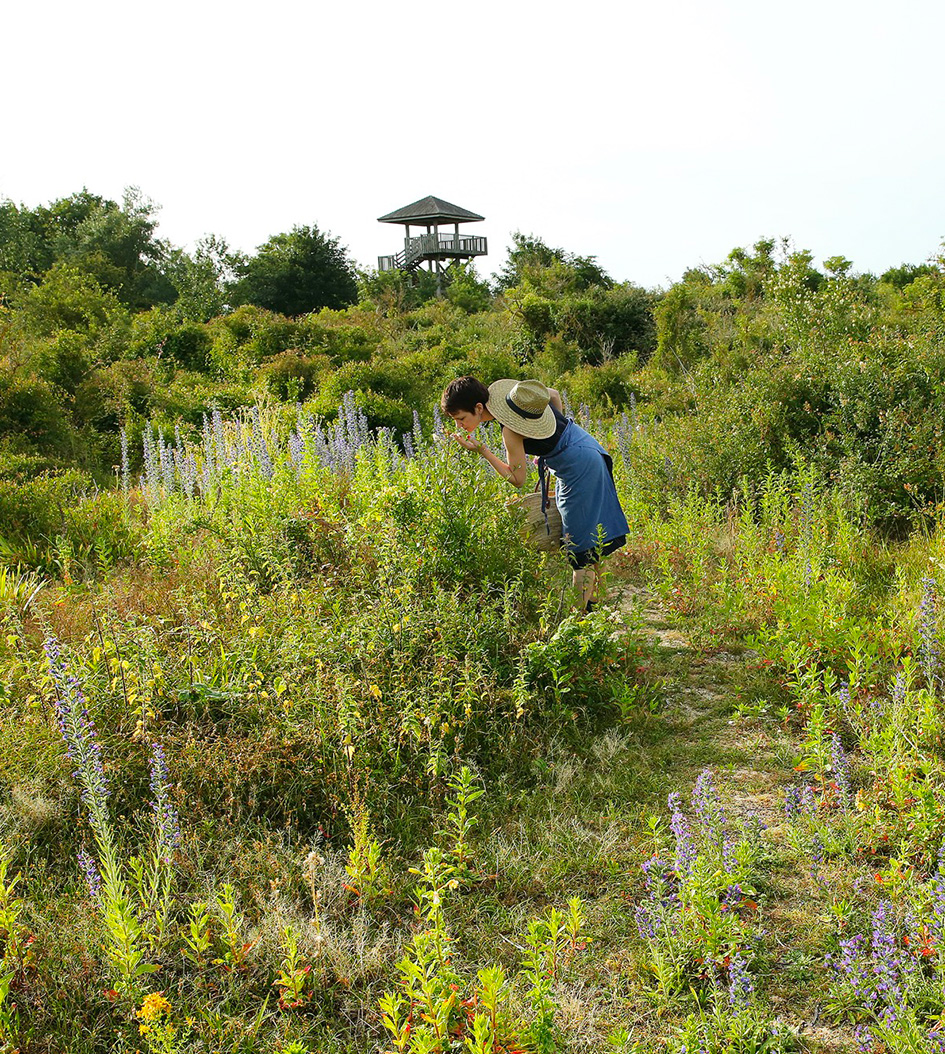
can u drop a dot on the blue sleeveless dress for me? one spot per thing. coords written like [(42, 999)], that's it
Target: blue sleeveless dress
[(592, 522)]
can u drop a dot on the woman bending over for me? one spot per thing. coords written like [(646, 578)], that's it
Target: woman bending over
[(533, 423)]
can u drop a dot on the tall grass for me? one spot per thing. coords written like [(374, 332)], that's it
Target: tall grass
[(319, 629)]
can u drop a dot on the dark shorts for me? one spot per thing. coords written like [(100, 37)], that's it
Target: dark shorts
[(587, 557)]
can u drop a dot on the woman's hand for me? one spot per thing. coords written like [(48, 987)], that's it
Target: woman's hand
[(467, 442)]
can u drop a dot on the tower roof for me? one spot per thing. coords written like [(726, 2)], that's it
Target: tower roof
[(430, 210)]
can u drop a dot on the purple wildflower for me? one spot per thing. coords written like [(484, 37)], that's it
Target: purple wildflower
[(624, 437), (151, 469), (417, 433), (166, 824), (188, 474), (260, 446), (886, 963), (733, 895), (90, 871), (166, 464), (125, 471), (685, 848), (729, 856), (863, 1038), (177, 456), (740, 984), (928, 630), (644, 922), (206, 459), (653, 869), (296, 449), (355, 421), (220, 445), (708, 807), (854, 966), (79, 735), (792, 802), (755, 820)]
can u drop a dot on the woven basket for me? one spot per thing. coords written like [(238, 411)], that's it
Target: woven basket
[(545, 536)]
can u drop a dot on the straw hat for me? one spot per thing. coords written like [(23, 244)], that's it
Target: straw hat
[(524, 406)]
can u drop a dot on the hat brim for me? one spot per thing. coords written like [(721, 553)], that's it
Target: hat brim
[(530, 427)]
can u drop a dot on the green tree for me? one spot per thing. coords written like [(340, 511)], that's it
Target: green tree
[(296, 273), (531, 261), (467, 290), (201, 278), (32, 416), (24, 249), (396, 292), (746, 273), (115, 244), (69, 298), (905, 274)]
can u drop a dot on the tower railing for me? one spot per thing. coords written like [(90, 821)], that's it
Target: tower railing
[(466, 244), (429, 246)]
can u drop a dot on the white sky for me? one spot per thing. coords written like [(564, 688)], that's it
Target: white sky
[(655, 136)]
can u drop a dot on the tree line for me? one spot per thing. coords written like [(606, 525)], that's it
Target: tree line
[(762, 360)]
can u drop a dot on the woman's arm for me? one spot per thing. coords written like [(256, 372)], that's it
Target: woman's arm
[(516, 469), (556, 400)]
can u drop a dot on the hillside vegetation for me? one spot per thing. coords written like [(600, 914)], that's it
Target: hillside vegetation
[(305, 748)]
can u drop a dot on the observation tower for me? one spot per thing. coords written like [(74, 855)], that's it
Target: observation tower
[(439, 250)]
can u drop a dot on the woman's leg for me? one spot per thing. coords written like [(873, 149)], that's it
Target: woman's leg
[(586, 583)]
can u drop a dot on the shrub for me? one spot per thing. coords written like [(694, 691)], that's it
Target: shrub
[(386, 378), (610, 386), (292, 375), (64, 360), (113, 394), (342, 342), (468, 292), (606, 322), (382, 411), (34, 512), (247, 336), (68, 298), (161, 334), (31, 415), (18, 467), (682, 335)]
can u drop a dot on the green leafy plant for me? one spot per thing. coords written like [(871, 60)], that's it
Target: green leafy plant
[(293, 980)]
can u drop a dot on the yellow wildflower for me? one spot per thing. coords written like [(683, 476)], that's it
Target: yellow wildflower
[(153, 1006)]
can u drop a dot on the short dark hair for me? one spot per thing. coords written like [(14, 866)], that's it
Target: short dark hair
[(463, 394)]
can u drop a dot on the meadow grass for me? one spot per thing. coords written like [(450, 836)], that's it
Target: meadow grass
[(320, 632)]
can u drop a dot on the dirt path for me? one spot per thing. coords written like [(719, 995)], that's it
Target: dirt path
[(752, 758)]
